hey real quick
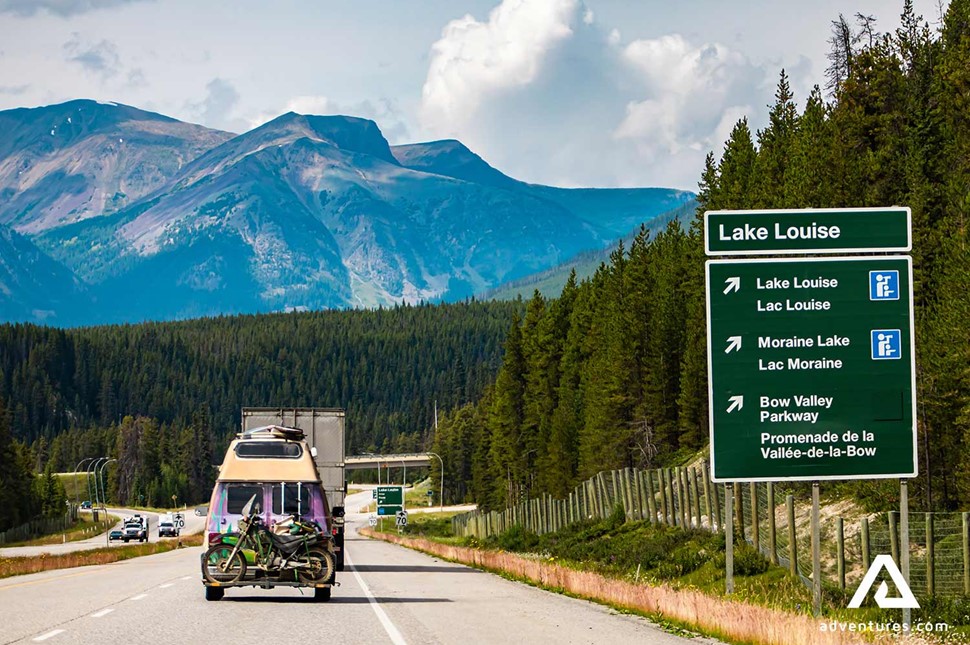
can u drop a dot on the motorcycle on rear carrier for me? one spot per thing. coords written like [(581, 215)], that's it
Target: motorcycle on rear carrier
[(300, 555)]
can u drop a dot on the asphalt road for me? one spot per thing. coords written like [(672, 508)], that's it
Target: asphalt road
[(388, 594), (193, 524)]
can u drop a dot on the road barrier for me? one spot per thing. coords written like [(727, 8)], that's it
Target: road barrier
[(777, 523)]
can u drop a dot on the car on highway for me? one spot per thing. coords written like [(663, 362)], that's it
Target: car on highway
[(86, 504), (116, 535)]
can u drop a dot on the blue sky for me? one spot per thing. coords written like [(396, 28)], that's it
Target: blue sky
[(564, 92)]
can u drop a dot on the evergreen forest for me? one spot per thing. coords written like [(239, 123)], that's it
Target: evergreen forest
[(613, 372), (164, 399)]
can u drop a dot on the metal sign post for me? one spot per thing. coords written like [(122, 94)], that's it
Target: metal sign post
[(816, 555), (812, 360)]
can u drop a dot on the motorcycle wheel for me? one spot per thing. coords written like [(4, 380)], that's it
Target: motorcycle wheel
[(216, 566), (321, 567)]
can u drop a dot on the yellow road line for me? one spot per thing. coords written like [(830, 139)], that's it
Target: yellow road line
[(52, 579)]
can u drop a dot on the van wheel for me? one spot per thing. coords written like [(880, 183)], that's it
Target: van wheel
[(214, 593), (321, 594)]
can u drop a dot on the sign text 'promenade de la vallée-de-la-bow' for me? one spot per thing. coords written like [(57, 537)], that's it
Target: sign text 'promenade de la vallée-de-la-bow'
[(811, 360)]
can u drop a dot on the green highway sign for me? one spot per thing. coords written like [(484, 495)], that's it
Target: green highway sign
[(811, 368), (390, 496), (823, 230), (389, 510)]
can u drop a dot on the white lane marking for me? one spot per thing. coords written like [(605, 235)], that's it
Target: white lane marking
[(139, 596), (185, 578), (166, 585), (389, 627), (103, 612), (49, 635)]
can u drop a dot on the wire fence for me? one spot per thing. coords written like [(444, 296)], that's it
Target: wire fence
[(777, 523), (41, 526)]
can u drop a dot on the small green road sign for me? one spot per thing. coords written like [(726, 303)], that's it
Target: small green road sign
[(812, 368), (823, 230), (390, 496), (389, 510)]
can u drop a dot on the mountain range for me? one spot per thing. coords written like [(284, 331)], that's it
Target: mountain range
[(109, 213)]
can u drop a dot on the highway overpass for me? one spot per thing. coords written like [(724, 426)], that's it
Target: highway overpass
[(360, 462)]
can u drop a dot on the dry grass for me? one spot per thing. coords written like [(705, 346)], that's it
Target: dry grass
[(48, 562), (728, 619)]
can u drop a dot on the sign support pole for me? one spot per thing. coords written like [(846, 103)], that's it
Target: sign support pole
[(904, 545), (816, 555), (729, 538)]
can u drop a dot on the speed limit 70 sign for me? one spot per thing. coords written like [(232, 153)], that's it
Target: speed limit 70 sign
[(401, 518)]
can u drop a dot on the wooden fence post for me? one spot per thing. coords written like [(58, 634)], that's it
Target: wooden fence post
[(739, 511), (663, 495), (651, 497), (755, 521), (717, 507), (684, 499), (640, 495), (840, 551), (966, 553), (711, 521), (617, 493), (893, 535), (772, 535), (695, 490), (930, 557), (628, 495), (671, 518), (792, 536), (864, 536)]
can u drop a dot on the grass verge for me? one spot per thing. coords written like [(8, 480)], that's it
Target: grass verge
[(669, 575), (48, 562)]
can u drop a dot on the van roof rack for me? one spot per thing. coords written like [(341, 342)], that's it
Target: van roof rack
[(280, 432)]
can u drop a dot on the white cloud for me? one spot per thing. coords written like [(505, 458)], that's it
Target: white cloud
[(218, 108), (690, 89), (475, 60), (63, 8), (548, 94), (99, 58)]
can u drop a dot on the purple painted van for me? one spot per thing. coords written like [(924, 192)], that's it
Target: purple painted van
[(273, 464)]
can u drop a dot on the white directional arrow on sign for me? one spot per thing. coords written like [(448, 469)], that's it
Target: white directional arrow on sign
[(737, 402), (733, 284), (734, 343)]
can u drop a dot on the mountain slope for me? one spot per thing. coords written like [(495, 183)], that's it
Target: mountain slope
[(551, 281), (303, 212), (65, 163), (33, 287), (312, 212), (613, 211)]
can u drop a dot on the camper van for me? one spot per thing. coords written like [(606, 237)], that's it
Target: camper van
[(273, 466)]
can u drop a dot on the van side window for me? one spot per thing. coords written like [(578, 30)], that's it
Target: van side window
[(296, 497), (237, 496)]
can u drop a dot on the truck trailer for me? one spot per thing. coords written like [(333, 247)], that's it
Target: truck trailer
[(325, 433)]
